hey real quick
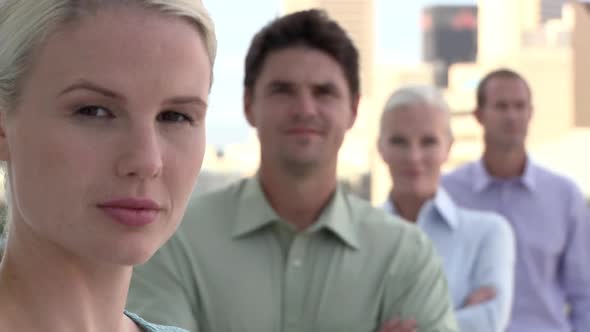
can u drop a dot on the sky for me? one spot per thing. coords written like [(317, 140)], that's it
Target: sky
[(398, 40)]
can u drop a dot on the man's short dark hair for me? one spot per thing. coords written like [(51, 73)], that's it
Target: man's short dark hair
[(498, 73), (309, 28)]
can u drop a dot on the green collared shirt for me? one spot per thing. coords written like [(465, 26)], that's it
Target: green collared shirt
[(229, 268)]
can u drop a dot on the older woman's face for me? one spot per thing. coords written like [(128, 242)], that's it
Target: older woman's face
[(106, 143), (415, 142)]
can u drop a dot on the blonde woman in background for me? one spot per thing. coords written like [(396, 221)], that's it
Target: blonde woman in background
[(477, 248), (102, 109)]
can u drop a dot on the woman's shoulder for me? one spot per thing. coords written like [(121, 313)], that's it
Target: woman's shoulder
[(485, 223), (150, 327)]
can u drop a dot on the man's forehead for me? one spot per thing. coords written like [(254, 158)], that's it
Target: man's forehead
[(507, 86), (302, 66), (301, 82), (506, 83), (301, 74)]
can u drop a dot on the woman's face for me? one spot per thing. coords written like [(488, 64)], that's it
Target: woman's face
[(108, 138), (414, 143)]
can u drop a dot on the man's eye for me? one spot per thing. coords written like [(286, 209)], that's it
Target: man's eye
[(280, 90), (325, 92), (171, 116)]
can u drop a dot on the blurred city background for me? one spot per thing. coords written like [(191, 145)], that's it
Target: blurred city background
[(450, 44)]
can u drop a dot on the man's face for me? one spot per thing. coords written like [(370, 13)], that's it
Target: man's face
[(507, 112), (302, 107)]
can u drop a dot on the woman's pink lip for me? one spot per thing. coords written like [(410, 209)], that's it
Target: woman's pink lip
[(132, 203), (132, 211), (131, 217)]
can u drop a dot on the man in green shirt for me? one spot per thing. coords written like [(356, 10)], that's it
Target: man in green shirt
[(289, 250)]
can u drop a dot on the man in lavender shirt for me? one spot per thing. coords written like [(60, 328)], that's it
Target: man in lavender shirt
[(547, 212)]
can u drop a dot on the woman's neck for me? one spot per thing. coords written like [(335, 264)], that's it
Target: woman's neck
[(408, 206), (44, 289)]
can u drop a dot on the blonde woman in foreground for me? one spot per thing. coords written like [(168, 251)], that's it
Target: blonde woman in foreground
[(102, 109)]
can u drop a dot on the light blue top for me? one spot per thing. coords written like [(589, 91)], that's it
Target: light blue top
[(149, 327), (477, 249)]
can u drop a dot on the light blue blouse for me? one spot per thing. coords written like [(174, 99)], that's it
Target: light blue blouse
[(478, 250)]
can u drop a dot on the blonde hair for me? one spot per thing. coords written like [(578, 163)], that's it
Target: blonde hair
[(414, 95), (24, 24)]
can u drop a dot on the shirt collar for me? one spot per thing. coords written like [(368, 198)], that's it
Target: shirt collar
[(446, 207), (482, 178), (528, 177), (254, 212), (441, 204), (338, 218)]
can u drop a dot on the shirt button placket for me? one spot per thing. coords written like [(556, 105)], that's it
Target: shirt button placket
[(295, 283)]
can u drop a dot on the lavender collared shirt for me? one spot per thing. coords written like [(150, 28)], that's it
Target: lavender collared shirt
[(551, 222)]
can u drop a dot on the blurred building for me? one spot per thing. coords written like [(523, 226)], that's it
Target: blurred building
[(224, 165), (500, 26), (550, 9), (504, 26), (449, 37), (238, 158), (581, 59), (552, 52)]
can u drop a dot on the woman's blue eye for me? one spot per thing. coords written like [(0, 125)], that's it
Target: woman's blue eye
[(95, 111)]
